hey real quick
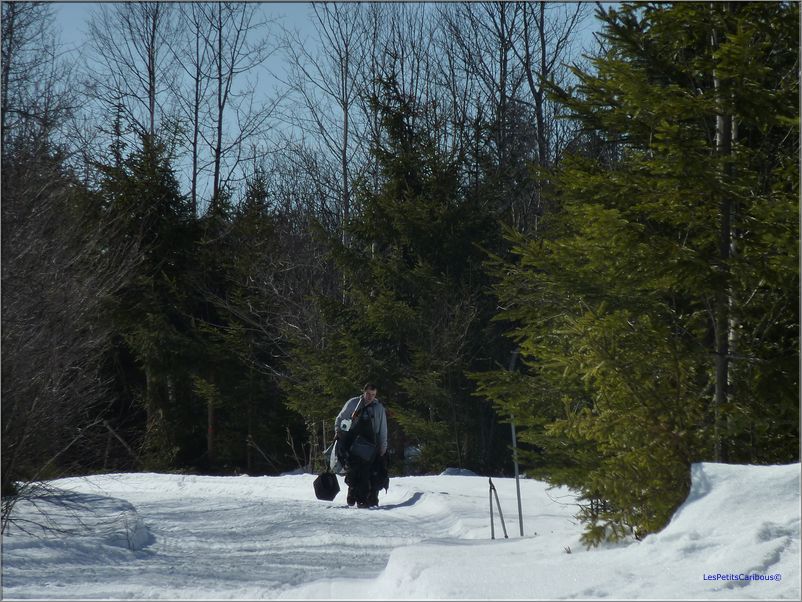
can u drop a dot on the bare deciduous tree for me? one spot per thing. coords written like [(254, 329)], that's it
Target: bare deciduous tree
[(192, 52), (57, 268), (132, 68), (510, 51), (36, 84), (237, 121), (543, 52), (326, 86), (221, 49)]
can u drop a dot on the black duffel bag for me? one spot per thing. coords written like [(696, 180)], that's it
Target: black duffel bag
[(326, 486)]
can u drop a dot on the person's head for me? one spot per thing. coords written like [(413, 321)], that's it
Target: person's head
[(369, 392)]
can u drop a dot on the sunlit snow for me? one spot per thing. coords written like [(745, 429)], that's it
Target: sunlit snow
[(142, 536)]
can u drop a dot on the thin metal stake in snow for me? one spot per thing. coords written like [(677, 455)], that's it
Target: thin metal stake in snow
[(492, 526), (493, 492)]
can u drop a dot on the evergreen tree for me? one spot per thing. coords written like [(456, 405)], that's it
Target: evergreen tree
[(150, 313), (240, 336), (663, 295)]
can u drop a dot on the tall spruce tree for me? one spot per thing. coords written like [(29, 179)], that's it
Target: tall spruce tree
[(239, 335), (657, 316), (151, 313)]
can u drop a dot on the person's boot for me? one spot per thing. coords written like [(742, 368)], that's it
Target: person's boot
[(351, 499)]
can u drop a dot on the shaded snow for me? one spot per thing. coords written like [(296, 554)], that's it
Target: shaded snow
[(462, 472), (160, 536)]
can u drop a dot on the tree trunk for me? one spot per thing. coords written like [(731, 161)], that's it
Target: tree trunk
[(196, 101), (218, 149), (248, 446), (9, 14), (346, 198), (210, 432), (210, 422), (723, 301), (151, 67), (154, 416)]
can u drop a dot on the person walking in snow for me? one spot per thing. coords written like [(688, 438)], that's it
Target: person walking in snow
[(361, 434)]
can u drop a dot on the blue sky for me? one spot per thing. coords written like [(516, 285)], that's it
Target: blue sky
[(72, 17)]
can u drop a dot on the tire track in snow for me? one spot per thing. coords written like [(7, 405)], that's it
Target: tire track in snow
[(233, 532)]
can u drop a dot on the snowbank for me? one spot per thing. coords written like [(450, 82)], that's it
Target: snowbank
[(55, 515), (736, 536)]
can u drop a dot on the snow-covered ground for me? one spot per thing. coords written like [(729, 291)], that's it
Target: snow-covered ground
[(196, 537)]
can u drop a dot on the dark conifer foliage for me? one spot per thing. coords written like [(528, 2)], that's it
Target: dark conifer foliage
[(198, 324), (412, 311), (658, 313), (150, 314)]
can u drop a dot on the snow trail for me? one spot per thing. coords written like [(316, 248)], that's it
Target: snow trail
[(230, 536), (159, 536)]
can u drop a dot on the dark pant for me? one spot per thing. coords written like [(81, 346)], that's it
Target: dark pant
[(365, 479)]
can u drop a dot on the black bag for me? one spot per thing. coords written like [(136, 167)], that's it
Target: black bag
[(362, 449), (326, 486)]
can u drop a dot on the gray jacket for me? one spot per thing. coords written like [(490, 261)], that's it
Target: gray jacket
[(379, 420)]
